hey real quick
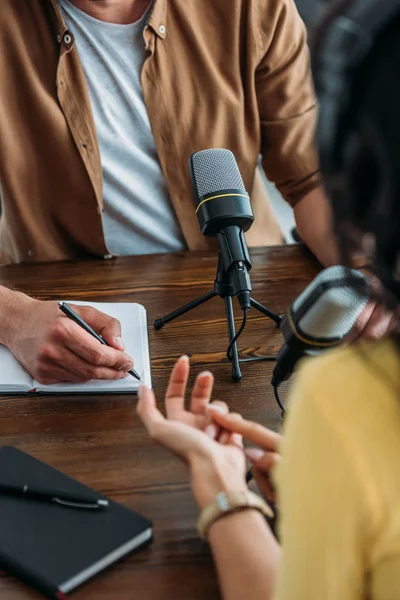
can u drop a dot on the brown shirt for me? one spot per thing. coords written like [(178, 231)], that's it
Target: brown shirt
[(232, 73)]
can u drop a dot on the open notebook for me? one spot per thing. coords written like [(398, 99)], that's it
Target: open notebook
[(15, 380)]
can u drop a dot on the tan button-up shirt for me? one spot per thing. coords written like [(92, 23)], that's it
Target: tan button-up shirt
[(226, 73)]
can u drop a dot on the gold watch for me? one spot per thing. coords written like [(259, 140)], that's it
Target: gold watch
[(226, 503)]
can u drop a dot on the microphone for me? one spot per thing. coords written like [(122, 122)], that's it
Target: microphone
[(321, 317), (224, 211)]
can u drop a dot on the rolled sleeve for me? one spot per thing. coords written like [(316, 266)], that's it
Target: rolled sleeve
[(286, 101)]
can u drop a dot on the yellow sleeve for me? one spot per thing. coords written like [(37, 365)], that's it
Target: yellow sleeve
[(325, 514)]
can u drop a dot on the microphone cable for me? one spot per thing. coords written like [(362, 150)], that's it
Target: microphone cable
[(254, 359), (279, 401), (235, 339), (237, 336)]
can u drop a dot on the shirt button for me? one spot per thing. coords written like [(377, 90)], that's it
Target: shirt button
[(107, 256), (67, 39), (59, 39), (162, 29)]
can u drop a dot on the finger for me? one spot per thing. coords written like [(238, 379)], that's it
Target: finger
[(361, 323), (263, 461), (201, 394), (69, 334), (181, 439), (378, 324), (224, 437), (48, 375), (108, 327), (235, 439), (54, 358), (175, 394), (230, 439), (265, 485), (210, 427), (147, 409), (267, 439)]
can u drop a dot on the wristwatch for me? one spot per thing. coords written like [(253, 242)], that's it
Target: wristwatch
[(228, 502)]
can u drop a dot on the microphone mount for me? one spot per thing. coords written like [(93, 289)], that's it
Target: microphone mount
[(232, 265)]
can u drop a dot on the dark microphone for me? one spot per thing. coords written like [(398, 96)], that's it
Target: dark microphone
[(321, 317), (224, 211)]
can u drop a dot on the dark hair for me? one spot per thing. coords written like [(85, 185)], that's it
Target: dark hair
[(370, 202)]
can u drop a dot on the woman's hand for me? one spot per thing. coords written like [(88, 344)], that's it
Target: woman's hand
[(215, 457), (264, 458)]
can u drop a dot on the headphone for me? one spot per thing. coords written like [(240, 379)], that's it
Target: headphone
[(346, 39)]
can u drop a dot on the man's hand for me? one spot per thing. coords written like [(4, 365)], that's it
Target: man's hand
[(52, 348)]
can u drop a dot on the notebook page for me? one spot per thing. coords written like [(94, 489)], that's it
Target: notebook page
[(133, 321), (13, 377)]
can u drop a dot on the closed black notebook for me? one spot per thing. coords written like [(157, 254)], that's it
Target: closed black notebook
[(54, 548)]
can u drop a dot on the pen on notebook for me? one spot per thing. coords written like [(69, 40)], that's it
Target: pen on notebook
[(67, 310), (48, 495)]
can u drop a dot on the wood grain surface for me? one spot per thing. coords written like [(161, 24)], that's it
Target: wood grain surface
[(100, 441)]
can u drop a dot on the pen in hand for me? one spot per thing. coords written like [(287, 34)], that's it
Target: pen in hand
[(71, 314)]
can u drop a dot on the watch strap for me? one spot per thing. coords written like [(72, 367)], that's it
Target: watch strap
[(229, 502)]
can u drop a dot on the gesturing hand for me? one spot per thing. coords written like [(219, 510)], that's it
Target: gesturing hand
[(214, 456), (265, 457)]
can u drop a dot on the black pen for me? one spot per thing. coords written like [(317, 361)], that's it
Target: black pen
[(67, 310), (49, 495)]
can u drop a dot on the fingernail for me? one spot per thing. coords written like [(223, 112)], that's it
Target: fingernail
[(206, 374), (184, 357), (211, 431), (216, 408), (119, 342), (127, 366), (254, 454)]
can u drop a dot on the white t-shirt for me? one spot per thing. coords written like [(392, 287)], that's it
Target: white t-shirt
[(138, 215)]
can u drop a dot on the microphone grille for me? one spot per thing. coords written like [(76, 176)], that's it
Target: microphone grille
[(215, 170), (336, 309)]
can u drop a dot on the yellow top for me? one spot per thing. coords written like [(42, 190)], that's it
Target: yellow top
[(339, 482)]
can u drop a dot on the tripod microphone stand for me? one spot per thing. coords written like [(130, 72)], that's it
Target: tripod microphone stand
[(224, 288)]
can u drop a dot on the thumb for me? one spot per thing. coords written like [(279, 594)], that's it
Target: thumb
[(147, 409), (106, 326)]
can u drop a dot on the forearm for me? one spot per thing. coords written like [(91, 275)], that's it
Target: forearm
[(246, 555), (11, 304), (313, 216)]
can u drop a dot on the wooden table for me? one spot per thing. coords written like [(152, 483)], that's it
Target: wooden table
[(100, 441)]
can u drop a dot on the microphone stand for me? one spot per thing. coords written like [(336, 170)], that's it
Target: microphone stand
[(224, 288)]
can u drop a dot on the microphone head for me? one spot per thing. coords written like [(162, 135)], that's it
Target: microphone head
[(328, 308), (220, 196), (214, 170)]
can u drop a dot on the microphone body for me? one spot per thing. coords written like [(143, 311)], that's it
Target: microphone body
[(321, 317), (224, 211)]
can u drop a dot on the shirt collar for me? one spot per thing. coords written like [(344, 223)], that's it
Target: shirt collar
[(60, 23), (157, 18)]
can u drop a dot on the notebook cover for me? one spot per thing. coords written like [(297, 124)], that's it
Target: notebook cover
[(45, 544)]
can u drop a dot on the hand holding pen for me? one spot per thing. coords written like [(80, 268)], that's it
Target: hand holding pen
[(71, 314), (54, 349)]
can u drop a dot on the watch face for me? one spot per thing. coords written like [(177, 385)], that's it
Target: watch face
[(223, 502)]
